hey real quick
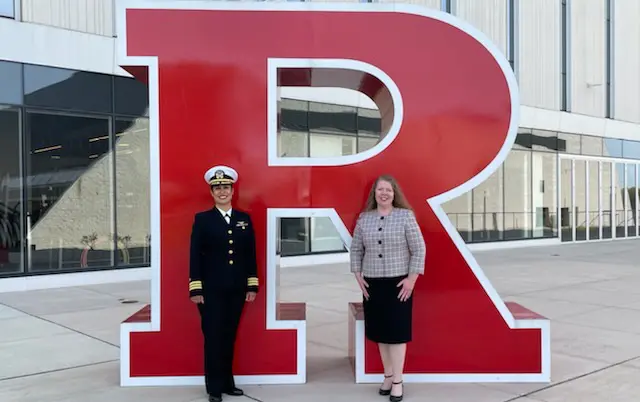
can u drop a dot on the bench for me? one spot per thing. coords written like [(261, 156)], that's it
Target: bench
[(284, 311), (356, 351), (142, 315)]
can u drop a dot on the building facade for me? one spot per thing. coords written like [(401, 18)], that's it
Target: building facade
[(74, 152)]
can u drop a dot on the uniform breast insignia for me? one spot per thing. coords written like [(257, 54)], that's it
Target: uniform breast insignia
[(242, 224)]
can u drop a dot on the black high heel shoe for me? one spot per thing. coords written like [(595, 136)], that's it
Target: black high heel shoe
[(394, 398), (385, 392)]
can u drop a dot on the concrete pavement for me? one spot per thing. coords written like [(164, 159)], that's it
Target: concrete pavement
[(62, 344)]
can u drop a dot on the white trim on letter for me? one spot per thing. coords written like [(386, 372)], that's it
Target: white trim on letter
[(344, 64), (435, 202)]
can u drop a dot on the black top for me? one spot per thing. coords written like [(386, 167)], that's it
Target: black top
[(223, 255)]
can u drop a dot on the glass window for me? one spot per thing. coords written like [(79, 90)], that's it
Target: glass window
[(10, 193), (591, 145), (594, 199), (67, 89), (7, 8), (293, 115), (517, 195), (132, 191), (612, 148), (630, 205), (566, 200), (487, 206), (523, 140), (69, 194), (327, 118), (293, 140), (580, 200), (293, 144), (10, 82), (631, 149), (365, 143), (458, 210), (620, 199), (325, 236), (543, 140), (607, 189), (131, 97), (369, 122), (569, 143), (294, 236), (544, 191), (326, 145)]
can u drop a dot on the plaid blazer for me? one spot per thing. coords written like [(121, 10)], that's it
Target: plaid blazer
[(387, 246)]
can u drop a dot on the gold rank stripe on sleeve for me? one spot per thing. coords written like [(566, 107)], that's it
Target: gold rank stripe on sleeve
[(252, 281), (195, 285)]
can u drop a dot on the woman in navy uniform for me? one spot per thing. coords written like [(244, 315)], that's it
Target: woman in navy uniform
[(223, 276)]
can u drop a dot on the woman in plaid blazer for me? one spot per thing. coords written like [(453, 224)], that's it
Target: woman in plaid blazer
[(387, 255)]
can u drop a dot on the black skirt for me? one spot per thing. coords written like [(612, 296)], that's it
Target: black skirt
[(386, 318)]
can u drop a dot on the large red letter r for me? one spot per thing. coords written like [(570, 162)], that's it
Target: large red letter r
[(449, 104)]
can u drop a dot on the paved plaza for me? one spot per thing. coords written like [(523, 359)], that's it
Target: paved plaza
[(63, 344)]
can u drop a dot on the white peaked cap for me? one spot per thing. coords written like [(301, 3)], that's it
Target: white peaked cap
[(220, 175)]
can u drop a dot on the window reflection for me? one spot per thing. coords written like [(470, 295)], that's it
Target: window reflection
[(631, 149), (366, 143), (580, 199), (569, 143), (591, 145), (612, 148), (10, 81), (488, 209), (327, 145), (544, 192), (10, 193), (69, 175), (620, 199), (69, 195), (607, 194), (131, 97), (292, 144), (594, 199), (630, 193), (544, 140), (517, 195), (327, 118), (132, 191), (7, 8), (369, 122), (312, 129), (67, 89), (459, 211), (566, 200)]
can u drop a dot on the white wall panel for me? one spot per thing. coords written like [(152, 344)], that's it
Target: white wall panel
[(488, 16), (539, 53), (626, 71), (588, 57), (91, 16), (57, 47)]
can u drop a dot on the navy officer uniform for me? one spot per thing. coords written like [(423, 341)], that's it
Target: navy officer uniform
[(223, 276)]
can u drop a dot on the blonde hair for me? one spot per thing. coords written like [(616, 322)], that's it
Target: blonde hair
[(399, 200)]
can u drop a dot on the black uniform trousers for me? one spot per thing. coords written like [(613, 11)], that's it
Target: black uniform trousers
[(220, 316)]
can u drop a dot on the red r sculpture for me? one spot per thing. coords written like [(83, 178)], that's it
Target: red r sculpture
[(449, 106)]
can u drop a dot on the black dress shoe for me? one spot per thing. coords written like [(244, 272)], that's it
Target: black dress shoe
[(234, 391), (385, 392), (396, 398), (214, 398)]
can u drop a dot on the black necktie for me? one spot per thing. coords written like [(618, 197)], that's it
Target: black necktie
[(227, 218)]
